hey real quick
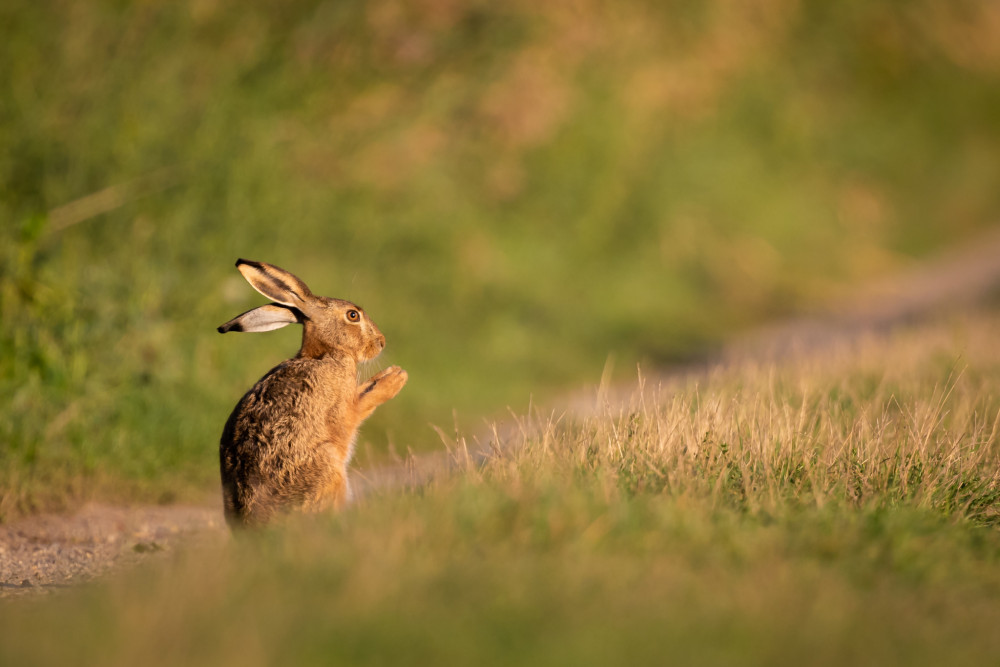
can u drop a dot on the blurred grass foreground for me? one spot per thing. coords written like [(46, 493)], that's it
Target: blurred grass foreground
[(513, 190)]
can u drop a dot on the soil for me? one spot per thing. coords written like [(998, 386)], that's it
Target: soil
[(48, 552)]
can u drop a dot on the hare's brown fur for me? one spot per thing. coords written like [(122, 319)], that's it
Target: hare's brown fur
[(289, 440)]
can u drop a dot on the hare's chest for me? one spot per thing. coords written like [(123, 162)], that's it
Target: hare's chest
[(331, 404)]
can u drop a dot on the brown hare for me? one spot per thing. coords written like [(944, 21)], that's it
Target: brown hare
[(289, 440)]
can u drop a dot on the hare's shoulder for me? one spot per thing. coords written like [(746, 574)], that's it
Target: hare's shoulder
[(297, 395), (300, 382), (291, 382)]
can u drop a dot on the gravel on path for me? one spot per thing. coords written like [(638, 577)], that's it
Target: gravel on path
[(48, 552)]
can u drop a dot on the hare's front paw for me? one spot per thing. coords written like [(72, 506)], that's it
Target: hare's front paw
[(383, 386), (391, 380), (392, 370)]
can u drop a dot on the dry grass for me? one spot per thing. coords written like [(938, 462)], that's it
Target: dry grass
[(913, 419)]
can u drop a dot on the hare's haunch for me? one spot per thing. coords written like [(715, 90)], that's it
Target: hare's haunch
[(289, 440)]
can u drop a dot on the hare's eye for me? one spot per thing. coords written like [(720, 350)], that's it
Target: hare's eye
[(353, 315)]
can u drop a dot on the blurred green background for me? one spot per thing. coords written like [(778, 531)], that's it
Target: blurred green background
[(514, 191)]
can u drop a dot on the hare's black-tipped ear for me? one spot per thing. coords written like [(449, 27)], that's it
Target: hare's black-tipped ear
[(264, 318), (275, 283)]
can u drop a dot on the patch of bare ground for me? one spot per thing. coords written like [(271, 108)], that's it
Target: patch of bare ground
[(48, 552)]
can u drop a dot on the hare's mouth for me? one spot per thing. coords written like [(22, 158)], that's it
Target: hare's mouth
[(372, 352), (375, 347)]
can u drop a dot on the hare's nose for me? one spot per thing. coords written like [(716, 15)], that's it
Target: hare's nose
[(381, 341)]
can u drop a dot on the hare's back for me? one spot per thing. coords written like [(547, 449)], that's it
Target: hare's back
[(267, 447), (282, 408)]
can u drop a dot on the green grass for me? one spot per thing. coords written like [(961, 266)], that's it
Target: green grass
[(830, 510), (513, 191)]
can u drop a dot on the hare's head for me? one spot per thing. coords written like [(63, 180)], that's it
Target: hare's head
[(331, 326)]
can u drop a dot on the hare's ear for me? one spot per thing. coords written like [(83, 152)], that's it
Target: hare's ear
[(274, 283), (265, 318)]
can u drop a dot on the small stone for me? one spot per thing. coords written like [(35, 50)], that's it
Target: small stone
[(146, 547)]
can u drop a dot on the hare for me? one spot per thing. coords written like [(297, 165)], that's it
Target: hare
[(289, 440)]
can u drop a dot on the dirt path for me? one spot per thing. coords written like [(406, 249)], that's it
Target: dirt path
[(49, 552)]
